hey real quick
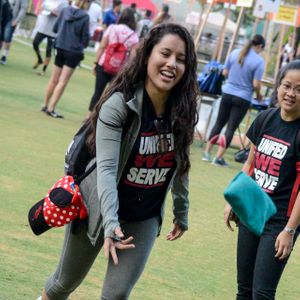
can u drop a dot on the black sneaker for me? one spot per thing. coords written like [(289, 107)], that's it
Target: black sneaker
[(36, 65), (220, 162), (54, 114), (44, 109), (3, 60)]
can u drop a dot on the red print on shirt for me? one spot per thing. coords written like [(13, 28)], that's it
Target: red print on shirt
[(268, 159)]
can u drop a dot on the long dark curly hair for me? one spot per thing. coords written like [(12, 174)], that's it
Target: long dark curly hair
[(183, 96)]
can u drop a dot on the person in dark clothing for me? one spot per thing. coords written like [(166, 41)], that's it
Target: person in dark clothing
[(44, 30), (123, 32), (112, 15), (273, 162), (244, 69), (72, 28), (156, 92), (163, 16)]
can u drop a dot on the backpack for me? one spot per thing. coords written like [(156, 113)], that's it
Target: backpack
[(115, 56), (211, 78), (78, 156), (144, 31)]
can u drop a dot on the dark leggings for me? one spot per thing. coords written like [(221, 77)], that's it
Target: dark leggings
[(258, 271), (231, 112), (78, 255), (39, 37), (102, 79)]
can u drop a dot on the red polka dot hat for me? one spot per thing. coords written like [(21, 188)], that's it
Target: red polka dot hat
[(62, 204)]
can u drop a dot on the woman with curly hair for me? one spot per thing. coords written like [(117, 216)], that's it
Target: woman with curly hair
[(141, 131)]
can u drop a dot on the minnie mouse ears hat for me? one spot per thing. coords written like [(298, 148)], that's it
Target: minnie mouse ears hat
[(62, 204)]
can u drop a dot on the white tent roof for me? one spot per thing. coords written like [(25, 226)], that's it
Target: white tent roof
[(215, 21)]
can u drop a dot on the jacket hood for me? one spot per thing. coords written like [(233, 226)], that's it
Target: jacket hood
[(75, 14)]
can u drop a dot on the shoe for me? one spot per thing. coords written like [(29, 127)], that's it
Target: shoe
[(220, 162), (206, 157), (3, 60), (39, 298), (36, 65), (44, 109), (54, 114)]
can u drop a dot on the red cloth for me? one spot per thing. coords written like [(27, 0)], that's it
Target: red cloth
[(295, 190), (142, 4)]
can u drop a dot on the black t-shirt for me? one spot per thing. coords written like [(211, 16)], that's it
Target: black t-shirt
[(275, 159), (148, 171)]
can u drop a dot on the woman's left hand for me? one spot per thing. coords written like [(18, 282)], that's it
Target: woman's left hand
[(283, 245), (175, 233)]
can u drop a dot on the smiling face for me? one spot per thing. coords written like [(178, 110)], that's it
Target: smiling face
[(288, 94), (166, 65)]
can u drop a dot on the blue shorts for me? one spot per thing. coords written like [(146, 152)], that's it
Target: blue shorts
[(7, 31)]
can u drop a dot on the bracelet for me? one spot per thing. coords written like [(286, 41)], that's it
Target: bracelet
[(289, 230)]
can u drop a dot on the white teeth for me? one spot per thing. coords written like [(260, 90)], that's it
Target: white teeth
[(167, 74)]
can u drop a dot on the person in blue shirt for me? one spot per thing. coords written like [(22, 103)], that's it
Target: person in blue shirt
[(244, 69), (112, 15)]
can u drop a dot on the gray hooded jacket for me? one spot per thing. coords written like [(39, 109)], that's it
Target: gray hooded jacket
[(99, 189), (72, 28)]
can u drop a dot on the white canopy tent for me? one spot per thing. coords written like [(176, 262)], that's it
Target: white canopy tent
[(215, 21)]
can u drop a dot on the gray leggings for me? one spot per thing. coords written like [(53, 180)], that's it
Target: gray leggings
[(78, 255)]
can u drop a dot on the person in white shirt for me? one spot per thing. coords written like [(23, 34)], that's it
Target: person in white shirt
[(49, 11), (95, 13), (287, 52)]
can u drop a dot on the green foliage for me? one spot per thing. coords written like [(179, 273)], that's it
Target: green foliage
[(201, 265)]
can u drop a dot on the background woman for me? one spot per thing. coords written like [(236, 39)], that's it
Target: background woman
[(50, 11), (122, 32), (163, 16), (262, 259), (244, 68), (72, 28), (141, 131)]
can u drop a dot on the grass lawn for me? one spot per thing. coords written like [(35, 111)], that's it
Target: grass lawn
[(201, 265)]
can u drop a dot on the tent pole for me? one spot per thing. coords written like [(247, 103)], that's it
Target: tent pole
[(281, 36), (219, 48), (238, 24), (202, 24)]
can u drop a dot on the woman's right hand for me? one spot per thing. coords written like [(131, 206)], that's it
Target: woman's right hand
[(227, 216), (94, 68), (110, 245)]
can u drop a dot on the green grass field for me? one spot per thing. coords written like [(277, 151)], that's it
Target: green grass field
[(201, 265)]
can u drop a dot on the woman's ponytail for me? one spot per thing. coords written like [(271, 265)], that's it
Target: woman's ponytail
[(257, 40)]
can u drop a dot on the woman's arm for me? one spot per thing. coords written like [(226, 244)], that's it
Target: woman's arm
[(112, 118), (58, 21), (284, 241), (86, 33), (257, 89), (103, 45), (180, 206), (246, 169), (225, 72)]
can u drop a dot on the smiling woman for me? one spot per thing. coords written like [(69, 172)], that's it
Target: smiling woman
[(274, 163), (140, 133), (289, 95)]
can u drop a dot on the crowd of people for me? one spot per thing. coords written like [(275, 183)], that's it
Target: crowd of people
[(140, 122)]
